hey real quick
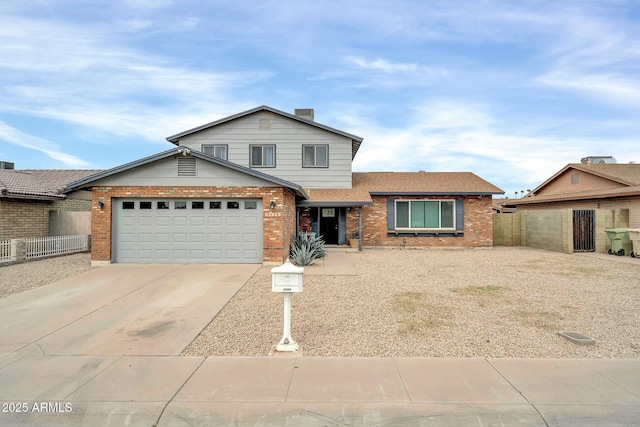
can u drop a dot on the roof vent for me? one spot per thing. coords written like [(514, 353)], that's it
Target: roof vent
[(305, 113), (6, 165), (187, 166)]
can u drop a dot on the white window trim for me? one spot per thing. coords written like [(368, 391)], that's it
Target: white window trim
[(452, 228), (315, 155)]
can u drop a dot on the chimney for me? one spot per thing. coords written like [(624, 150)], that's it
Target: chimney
[(6, 165), (305, 113)]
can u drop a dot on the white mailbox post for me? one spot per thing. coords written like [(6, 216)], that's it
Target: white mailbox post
[(287, 279)]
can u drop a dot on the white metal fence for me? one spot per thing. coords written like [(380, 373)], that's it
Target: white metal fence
[(5, 250), (37, 247), (57, 245)]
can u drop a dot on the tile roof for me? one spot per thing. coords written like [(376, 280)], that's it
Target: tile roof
[(48, 184)]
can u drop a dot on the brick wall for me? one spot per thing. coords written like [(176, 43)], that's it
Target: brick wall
[(478, 224), (30, 218), (24, 218), (278, 223)]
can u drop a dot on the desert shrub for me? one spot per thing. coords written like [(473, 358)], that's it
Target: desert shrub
[(306, 248)]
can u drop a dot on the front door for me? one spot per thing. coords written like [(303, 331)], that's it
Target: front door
[(329, 225)]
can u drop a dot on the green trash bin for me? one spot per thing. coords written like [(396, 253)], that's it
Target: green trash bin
[(634, 236), (620, 242)]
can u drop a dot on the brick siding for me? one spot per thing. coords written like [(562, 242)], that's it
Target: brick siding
[(278, 223), (478, 224)]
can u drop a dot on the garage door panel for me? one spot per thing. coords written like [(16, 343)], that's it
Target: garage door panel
[(209, 231), (197, 221), (250, 238), (163, 221)]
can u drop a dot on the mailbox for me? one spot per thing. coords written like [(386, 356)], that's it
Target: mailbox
[(286, 278)]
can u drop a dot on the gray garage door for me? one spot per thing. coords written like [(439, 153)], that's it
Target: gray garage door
[(187, 230)]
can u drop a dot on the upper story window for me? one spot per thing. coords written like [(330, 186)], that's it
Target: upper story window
[(315, 156), (263, 156), (430, 214), (215, 150)]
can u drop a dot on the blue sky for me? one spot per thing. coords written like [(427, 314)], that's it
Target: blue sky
[(512, 91)]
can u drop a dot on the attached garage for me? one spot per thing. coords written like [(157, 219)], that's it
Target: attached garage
[(187, 230), (183, 206)]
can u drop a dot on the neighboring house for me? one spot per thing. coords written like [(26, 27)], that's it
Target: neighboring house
[(33, 204), (582, 190), (236, 190), (588, 186)]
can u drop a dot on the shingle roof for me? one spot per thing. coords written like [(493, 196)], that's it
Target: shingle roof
[(356, 141), (365, 184), (44, 184), (624, 173), (335, 196), (627, 174), (436, 183), (88, 181), (633, 190)]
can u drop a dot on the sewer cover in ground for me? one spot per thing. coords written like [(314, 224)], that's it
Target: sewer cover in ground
[(577, 338)]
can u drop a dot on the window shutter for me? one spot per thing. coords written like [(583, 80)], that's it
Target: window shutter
[(391, 214), (460, 214)]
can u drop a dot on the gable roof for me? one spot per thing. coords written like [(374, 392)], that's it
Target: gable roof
[(424, 183), (626, 174), (355, 140), (38, 184), (623, 173), (183, 151)]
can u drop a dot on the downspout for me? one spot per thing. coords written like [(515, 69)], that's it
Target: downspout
[(360, 228)]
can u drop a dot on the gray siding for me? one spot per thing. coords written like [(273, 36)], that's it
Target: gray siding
[(288, 136), (165, 173)]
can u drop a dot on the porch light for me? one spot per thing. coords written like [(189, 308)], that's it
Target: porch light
[(100, 205), (272, 205)]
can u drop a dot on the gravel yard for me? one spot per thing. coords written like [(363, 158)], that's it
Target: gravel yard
[(21, 277), (500, 302)]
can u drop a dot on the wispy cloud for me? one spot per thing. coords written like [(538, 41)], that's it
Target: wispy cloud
[(17, 137)]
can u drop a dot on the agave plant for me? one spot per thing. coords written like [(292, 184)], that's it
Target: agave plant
[(306, 248)]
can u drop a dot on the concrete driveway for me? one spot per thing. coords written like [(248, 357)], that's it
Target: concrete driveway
[(119, 310)]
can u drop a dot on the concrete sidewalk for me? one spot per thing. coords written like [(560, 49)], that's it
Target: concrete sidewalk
[(300, 391)]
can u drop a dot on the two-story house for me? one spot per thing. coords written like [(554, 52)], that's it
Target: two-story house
[(236, 190)]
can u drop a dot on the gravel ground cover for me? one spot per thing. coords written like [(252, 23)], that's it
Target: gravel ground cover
[(500, 302), (21, 277)]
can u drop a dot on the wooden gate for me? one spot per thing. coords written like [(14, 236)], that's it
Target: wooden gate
[(584, 231)]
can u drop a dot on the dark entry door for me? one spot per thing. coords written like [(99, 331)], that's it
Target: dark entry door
[(329, 225), (584, 233)]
